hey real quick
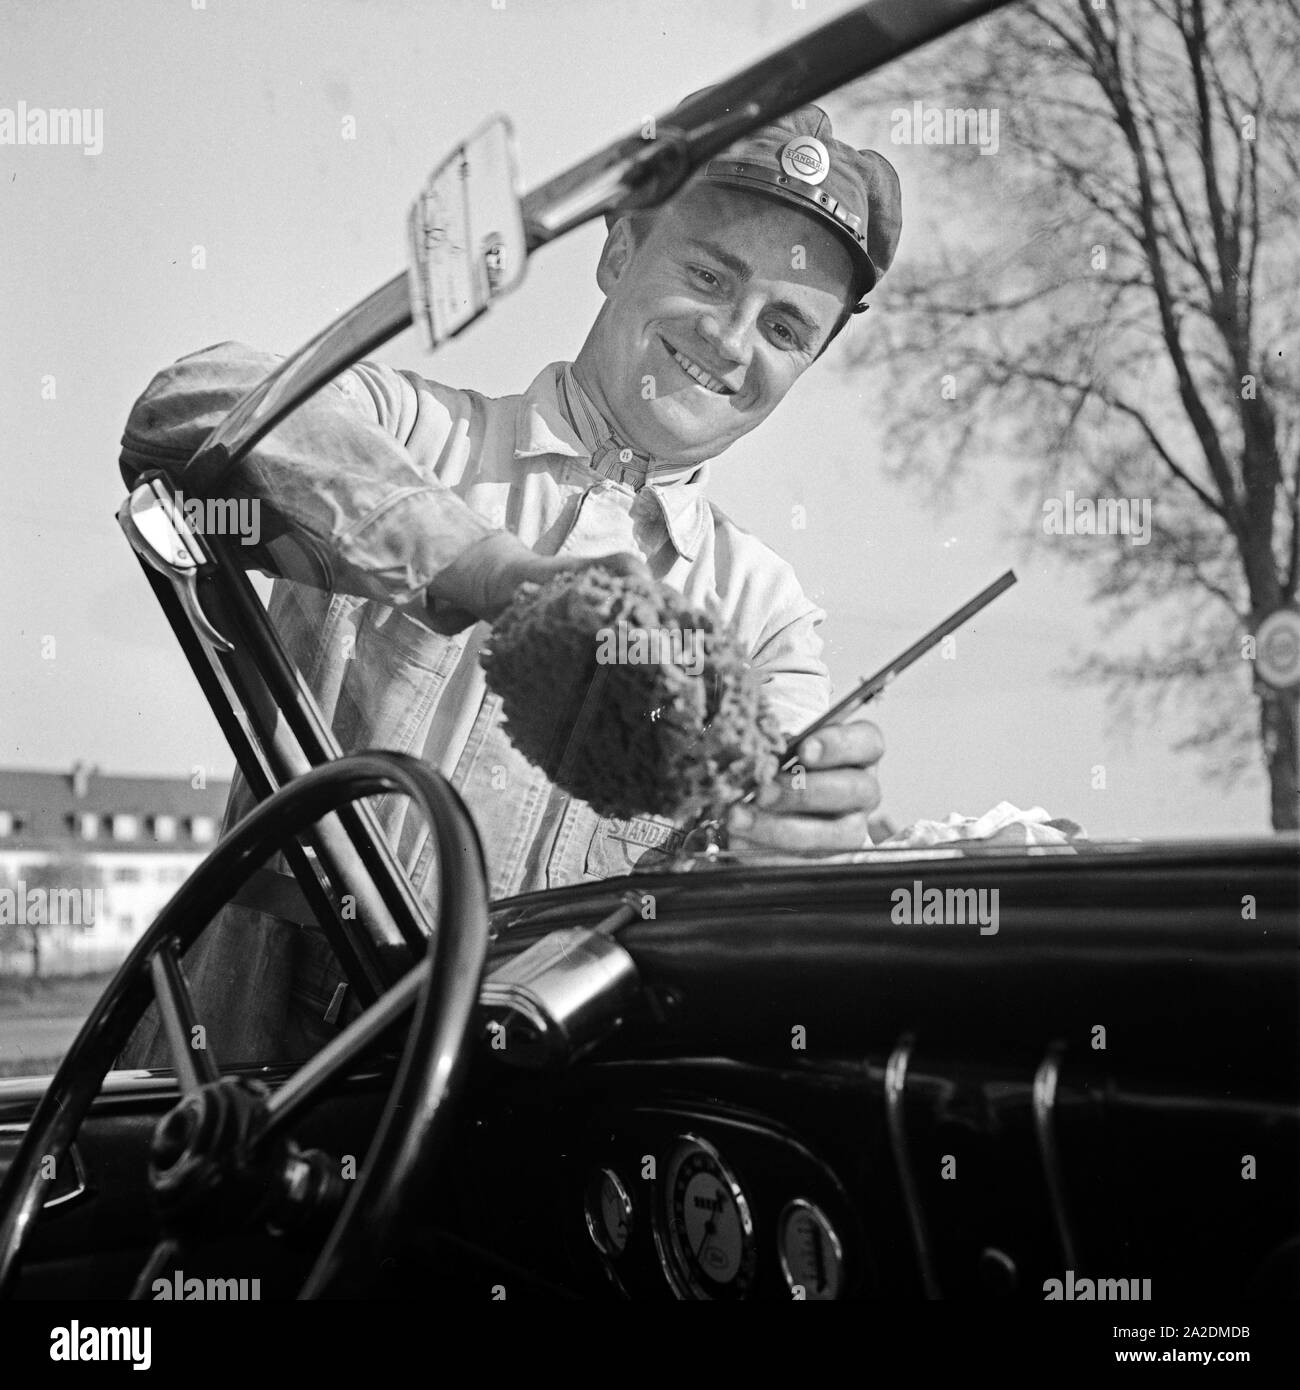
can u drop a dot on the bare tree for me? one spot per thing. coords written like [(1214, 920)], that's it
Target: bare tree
[(1110, 299)]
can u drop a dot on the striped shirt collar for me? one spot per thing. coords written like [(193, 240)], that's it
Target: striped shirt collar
[(611, 457), (544, 426)]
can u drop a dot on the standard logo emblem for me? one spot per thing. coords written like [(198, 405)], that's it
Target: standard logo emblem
[(806, 158)]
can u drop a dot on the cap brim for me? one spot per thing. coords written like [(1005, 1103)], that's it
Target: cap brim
[(861, 260)]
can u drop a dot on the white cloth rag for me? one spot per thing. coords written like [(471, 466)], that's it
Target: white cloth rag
[(1004, 824)]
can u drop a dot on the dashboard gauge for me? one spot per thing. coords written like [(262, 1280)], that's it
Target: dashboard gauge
[(812, 1258), (609, 1212), (704, 1233)]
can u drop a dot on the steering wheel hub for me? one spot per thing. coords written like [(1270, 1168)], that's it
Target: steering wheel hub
[(205, 1162)]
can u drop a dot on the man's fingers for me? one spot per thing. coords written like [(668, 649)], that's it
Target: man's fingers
[(856, 744), (821, 806), (623, 561), (799, 834), (833, 793)]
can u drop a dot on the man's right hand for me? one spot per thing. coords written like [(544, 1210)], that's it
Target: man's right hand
[(483, 578)]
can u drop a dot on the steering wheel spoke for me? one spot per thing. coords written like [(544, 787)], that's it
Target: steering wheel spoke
[(166, 1253), (186, 1037), (298, 1092)]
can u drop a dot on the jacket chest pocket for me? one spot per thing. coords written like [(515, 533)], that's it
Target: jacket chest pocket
[(393, 673), (587, 847), (621, 846)]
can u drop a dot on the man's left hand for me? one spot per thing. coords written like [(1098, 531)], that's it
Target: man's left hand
[(821, 805)]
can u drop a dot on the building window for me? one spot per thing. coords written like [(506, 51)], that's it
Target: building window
[(84, 825), (10, 824), (164, 828), (126, 874), (126, 827), (203, 828)]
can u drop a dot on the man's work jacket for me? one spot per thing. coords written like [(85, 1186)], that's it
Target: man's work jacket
[(381, 481)]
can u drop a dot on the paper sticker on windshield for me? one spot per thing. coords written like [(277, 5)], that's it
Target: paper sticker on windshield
[(466, 234)]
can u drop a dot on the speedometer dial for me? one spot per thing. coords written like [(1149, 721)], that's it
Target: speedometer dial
[(704, 1231)]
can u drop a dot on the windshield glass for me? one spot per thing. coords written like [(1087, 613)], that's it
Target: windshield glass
[(1050, 377)]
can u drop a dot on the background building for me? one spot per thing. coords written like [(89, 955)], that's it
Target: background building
[(119, 845)]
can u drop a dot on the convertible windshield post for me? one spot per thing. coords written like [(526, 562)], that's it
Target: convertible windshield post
[(277, 732), (351, 843)]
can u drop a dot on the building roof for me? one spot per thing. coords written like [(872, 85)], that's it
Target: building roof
[(47, 807)]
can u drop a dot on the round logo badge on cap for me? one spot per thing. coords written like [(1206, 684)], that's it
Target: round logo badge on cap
[(1277, 649), (806, 158)]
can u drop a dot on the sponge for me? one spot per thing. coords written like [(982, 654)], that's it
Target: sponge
[(629, 698)]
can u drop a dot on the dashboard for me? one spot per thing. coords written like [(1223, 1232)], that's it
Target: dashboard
[(716, 1207), (1105, 1091), (710, 1179)]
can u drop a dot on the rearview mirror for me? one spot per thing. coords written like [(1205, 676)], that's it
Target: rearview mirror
[(466, 230)]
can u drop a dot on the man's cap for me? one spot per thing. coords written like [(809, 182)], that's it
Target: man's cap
[(797, 160)]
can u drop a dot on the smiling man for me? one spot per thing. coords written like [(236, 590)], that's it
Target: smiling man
[(404, 514), (714, 306), (707, 315)]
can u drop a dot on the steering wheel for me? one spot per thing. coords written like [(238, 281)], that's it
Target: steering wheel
[(223, 1153)]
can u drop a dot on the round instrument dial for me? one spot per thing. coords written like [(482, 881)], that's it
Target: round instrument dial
[(812, 1258), (705, 1233), (608, 1212)]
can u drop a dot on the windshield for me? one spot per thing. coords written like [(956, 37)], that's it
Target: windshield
[(1049, 378)]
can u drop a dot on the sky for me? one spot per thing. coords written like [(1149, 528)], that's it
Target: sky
[(257, 163)]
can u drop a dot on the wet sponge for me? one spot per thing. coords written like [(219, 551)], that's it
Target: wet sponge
[(629, 698)]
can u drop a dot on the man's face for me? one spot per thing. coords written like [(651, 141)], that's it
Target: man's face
[(710, 318)]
